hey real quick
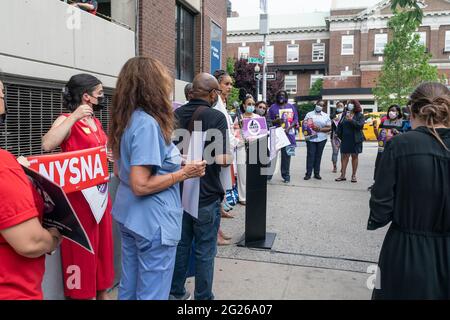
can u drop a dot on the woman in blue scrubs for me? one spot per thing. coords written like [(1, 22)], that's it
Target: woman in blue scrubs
[(148, 204)]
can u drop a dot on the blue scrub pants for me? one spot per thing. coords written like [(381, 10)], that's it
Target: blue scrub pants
[(147, 267)]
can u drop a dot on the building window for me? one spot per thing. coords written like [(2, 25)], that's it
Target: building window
[(346, 73), (185, 60), (290, 83), (422, 38), (381, 41), (243, 53), (318, 52), (293, 53), (314, 78), (270, 55), (347, 45), (447, 41)]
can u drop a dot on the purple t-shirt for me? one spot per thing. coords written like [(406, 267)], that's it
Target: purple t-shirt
[(289, 114)]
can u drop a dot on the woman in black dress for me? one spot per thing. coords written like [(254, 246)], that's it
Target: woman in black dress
[(414, 193), (351, 135)]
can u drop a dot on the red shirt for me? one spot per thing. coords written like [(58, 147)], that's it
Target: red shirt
[(20, 277)]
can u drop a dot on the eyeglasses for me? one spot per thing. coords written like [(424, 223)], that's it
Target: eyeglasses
[(218, 91)]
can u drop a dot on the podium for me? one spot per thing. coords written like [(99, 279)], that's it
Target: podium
[(256, 235)]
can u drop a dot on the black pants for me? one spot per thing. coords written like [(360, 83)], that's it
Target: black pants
[(314, 157), (285, 166)]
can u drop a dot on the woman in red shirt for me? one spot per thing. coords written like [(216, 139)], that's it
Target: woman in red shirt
[(23, 240), (75, 131)]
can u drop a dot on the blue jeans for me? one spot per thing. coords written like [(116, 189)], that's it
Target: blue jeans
[(203, 231), (147, 267)]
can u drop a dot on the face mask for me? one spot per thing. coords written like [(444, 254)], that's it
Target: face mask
[(340, 110), (319, 109), (100, 104), (3, 115), (250, 109), (260, 111), (350, 107), (281, 100), (393, 115)]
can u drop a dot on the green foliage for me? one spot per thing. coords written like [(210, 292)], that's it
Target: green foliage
[(234, 97), (303, 109), (316, 89), (413, 10), (406, 64), (230, 66)]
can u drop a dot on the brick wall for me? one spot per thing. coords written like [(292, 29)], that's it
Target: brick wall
[(338, 82), (157, 31), (338, 62), (280, 50)]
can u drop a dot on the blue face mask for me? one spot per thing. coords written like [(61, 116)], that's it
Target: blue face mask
[(250, 108)]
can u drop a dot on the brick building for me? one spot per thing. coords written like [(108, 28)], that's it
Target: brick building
[(353, 33), (188, 36), (298, 46)]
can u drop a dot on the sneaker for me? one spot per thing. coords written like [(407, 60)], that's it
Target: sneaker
[(286, 181), (187, 296), (307, 177)]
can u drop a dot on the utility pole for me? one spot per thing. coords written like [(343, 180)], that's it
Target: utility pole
[(264, 31)]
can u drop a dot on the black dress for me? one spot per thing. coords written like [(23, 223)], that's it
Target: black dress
[(351, 135), (413, 191)]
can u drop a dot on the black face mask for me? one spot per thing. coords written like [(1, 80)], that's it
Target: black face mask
[(100, 104), (3, 115)]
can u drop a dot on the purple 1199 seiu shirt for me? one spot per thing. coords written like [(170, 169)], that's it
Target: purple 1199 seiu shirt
[(274, 113)]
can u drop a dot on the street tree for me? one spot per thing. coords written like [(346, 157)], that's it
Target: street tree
[(413, 8), (406, 63), (244, 76)]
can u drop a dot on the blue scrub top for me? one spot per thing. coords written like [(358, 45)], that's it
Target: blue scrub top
[(143, 144)]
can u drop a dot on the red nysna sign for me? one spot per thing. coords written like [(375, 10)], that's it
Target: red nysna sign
[(74, 171)]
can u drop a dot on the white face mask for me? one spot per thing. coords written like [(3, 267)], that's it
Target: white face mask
[(319, 108), (340, 110), (350, 107), (393, 115)]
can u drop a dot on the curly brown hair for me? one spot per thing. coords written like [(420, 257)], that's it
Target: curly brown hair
[(430, 102), (143, 83)]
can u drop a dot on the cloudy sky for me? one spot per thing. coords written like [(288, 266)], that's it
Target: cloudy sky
[(251, 7)]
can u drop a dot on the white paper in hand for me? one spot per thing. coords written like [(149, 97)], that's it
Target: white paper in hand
[(191, 187)]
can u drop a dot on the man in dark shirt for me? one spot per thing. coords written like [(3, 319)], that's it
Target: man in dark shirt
[(203, 231), (90, 6)]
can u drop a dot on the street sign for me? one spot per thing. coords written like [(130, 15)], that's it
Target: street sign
[(271, 76), (258, 76), (255, 60)]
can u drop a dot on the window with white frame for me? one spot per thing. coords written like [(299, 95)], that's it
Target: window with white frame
[(243, 53), (422, 38), (447, 41), (347, 48), (381, 41), (270, 54), (314, 78), (293, 53), (318, 52), (290, 83)]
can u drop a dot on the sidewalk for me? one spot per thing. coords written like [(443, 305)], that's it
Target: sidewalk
[(322, 249)]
